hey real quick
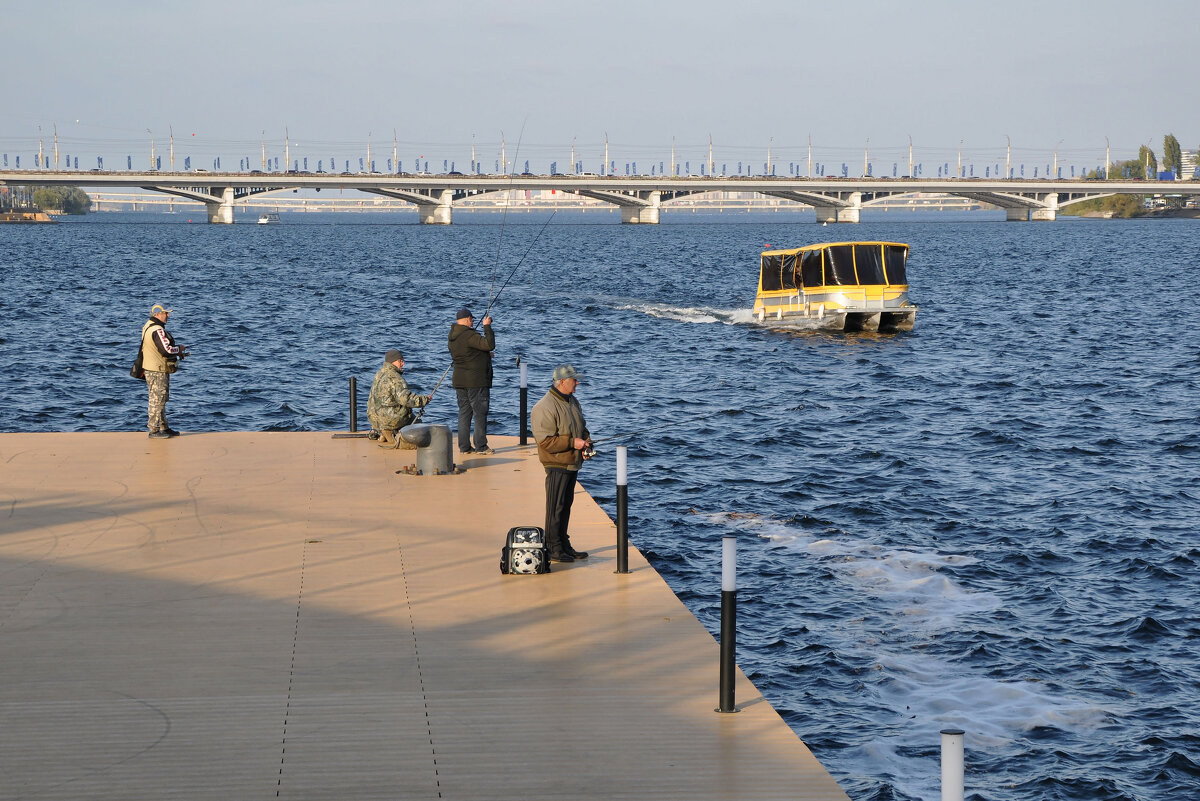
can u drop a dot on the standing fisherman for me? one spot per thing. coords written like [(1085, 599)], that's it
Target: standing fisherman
[(391, 402), (562, 441), (160, 357), (472, 381)]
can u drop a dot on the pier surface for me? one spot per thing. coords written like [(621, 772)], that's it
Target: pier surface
[(282, 615)]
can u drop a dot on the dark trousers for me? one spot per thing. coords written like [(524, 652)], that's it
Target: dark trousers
[(560, 493), (472, 403)]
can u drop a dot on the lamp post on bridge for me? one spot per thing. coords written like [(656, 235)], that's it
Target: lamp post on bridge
[(1060, 141), (866, 156), (1107, 150), (959, 174), (151, 148), (910, 160), (1008, 159)]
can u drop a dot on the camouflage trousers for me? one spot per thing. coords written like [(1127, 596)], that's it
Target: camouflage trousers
[(159, 386)]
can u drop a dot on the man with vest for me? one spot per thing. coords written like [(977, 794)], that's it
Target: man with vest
[(390, 404), (563, 443), (160, 358), (472, 380)]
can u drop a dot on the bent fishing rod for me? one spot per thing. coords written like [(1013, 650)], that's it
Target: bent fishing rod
[(488, 311)]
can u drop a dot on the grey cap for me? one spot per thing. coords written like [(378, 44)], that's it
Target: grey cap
[(393, 356), (565, 371)]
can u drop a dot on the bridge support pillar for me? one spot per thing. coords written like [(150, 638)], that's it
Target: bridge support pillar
[(842, 214), (1017, 215), (441, 214), (222, 212), (643, 214), (1048, 212)]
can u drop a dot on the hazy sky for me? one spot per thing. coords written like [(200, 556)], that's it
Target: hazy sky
[(748, 74)]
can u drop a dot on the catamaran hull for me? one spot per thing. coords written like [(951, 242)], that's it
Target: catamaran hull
[(870, 321)]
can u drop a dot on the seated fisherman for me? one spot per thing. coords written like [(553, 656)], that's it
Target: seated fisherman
[(391, 403)]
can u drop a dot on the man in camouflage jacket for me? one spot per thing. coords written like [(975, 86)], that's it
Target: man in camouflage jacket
[(391, 402)]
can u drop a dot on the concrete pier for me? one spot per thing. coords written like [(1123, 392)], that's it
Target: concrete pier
[(262, 615)]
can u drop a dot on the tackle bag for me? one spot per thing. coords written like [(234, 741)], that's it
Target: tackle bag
[(525, 551), (136, 371)]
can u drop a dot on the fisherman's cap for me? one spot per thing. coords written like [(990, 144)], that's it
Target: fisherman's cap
[(565, 371), (158, 308), (393, 356), (463, 313)]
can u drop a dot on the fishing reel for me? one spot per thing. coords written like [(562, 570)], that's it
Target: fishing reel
[(589, 451)]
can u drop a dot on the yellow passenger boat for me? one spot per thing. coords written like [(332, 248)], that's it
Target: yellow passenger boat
[(841, 286)]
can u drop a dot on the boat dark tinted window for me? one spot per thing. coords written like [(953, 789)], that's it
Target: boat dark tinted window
[(771, 266), (810, 268), (789, 271), (839, 265), (868, 261), (895, 257)]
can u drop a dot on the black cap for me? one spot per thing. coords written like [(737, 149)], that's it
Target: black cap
[(464, 312), (393, 356)]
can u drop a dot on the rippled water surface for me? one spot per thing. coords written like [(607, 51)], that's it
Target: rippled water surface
[(989, 523)]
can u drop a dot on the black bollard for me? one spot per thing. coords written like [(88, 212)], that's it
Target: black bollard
[(524, 403), (728, 622), (622, 510), (353, 404)]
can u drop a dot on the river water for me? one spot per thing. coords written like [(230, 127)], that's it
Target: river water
[(987, 523)]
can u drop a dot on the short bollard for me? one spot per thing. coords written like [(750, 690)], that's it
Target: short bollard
[(728, 622), (952, 765), (353, 404), (524, 403), (622, 509)]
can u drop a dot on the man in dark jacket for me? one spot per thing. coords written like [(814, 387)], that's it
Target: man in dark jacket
[(472, 381)]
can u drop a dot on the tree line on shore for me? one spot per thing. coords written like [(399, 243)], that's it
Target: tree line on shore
[(65, 199)]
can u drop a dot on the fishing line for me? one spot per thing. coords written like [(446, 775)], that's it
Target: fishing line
[(528, 250), (504, 213), (686, 421)]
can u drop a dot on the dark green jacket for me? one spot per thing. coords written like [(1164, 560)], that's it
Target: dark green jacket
[(472, 355)]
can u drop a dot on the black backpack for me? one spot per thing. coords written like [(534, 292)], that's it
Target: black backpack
[(525, 551)]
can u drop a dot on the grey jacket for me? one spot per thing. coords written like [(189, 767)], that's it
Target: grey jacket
[(557, 421)]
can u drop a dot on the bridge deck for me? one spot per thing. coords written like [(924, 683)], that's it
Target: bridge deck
[(259, 615)]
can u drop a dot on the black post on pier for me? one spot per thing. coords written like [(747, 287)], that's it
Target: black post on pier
[(353, 404), (728, 622), (622, 509), (524, 403)]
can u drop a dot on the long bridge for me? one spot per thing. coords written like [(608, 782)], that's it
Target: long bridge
[(640, 198)]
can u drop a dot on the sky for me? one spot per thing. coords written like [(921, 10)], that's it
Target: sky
[(862, 78)]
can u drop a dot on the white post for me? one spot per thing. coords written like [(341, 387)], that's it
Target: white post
[(952, 765)]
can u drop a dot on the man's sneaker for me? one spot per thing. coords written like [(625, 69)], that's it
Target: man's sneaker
[(485, 452), (159, 435), (466, 450), (172, 432)]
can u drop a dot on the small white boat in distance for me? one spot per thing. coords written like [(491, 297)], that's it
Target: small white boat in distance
[(264, 219), (843, 286)]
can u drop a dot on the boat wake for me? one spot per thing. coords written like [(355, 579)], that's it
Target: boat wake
[(910, 604), (690, 314)]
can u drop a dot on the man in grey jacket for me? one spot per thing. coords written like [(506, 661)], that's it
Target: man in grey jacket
[(563, 443)]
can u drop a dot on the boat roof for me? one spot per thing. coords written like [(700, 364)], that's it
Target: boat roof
[(822, 245)]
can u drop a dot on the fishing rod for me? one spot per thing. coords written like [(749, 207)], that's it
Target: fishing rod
[(487, 313), (504, 213), (686, 421)]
